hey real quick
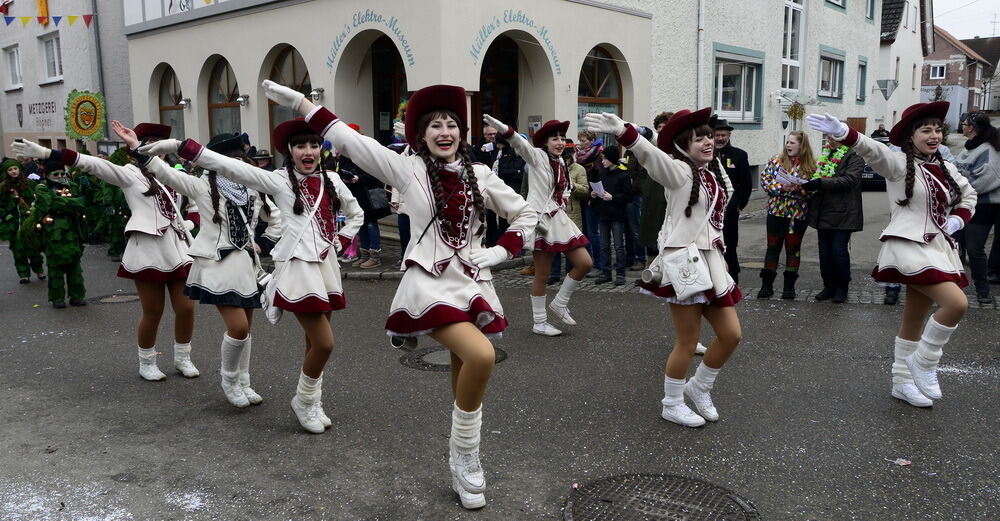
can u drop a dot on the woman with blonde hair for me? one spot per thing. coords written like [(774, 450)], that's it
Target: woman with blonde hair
[(787, 211)]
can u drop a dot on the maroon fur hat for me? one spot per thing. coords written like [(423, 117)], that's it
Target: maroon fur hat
[(936, 109), (435, 97), (148, 130), (283, 132), (679, 122), (550, 127)]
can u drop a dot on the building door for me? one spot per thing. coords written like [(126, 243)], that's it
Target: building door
[(388, 88), (498, 86), (859, 124)]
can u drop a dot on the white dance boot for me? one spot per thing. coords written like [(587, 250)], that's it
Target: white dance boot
[(305, 403), (231, 351), (698, 389), (147, 365), (902, 380), (560, 304), (468, 478), (182, 361), (674, 408), (923, 363), (251, 395), (541, 326)]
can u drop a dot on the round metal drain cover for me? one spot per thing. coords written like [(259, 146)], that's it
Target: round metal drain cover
[(117, 298), (437, 358), (654, 497)]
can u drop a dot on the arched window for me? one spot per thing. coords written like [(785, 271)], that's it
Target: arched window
[(223, 109), (170, 96), (600, 85), (498, 81), (289, 69)]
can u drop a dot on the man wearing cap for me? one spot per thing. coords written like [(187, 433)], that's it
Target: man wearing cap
[(263, 159), (737, 167)]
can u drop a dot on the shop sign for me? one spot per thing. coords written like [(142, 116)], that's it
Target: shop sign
[(367, 19), (85, 115), (511, 19)]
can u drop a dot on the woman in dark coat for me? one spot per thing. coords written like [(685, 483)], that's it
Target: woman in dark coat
[(835, 210)]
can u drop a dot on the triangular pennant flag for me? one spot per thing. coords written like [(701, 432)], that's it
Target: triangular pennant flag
[(24, 20), (56, 20), (9, 19), (43, 20), (72, 18), (87, 18)]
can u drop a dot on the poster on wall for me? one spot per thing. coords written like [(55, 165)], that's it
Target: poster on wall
[(85, 113)]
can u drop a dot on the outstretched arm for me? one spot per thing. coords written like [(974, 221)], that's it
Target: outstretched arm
[(229, 167), (662, 168), (529, 153), (890, 165), (388, 166), (106, 170)]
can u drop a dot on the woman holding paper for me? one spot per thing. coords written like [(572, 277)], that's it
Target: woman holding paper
[(787, 211), (548, 193), (696, 191)]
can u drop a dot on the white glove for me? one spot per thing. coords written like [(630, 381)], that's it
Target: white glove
[(501, 127), (188, 224), (827, 124), (399, 129), (30, 149), (604, 123), (486, 257), (337, 245), (953, 224), (164, 146), (283, 95)]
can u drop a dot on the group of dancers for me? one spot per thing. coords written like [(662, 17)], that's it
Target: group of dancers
[(446, 291)]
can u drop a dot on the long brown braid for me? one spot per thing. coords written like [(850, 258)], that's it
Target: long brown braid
[(435, 165), (685, 137), (214, 183), (328, 187), (911, 175)]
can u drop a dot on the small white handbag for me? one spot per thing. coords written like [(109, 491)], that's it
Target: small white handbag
[(685, 268), (272, 312)]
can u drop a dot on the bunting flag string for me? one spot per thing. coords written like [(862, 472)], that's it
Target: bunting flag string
[(43, 21)]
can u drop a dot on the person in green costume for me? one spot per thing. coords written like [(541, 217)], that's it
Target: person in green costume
[(16, 195), (58, 201)]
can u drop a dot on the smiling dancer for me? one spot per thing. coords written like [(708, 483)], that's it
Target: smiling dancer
[(155, 256), (307, 273), (548, 193), (446, 291), (929, 201), (697, 192)]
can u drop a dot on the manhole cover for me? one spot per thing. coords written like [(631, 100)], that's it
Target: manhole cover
[(436, 358), (653, 497), (118, 298)]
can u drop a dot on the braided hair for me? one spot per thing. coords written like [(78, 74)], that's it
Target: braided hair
[(328, 187), (682, 140), (435, 165), (911, 166)]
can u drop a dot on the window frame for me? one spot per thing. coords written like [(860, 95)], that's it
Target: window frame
[(57, 59), (870, 10), (12, 54), (219, 83), (789, 9), (175, 94), (862, 81), (944, 71), (836, 92)]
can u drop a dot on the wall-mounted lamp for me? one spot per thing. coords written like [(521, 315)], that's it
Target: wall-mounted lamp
[(316, 94), (184, 102), (243, 100)]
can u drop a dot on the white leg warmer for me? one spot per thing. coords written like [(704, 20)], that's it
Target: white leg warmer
[(704, 377), (538, 312), (900, 373), (569, 286), (673, 391), (931, 344)]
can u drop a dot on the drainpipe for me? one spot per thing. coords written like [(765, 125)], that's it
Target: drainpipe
[(700, 77), (100, 62)]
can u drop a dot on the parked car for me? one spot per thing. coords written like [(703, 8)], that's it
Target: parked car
[(870, 179)]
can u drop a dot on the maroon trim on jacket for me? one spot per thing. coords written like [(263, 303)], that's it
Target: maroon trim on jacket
[(512, 241), (322, 120), (439, 315), (964, 214), (726, 300), (630, 136), (852, 137), (928, 276), (574, 243), (509, 133), (311, 303), (68, 157), (189, 149), (155, 275)]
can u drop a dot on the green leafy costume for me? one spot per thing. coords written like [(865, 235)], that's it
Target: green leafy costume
[(63, 235), (14, 205)]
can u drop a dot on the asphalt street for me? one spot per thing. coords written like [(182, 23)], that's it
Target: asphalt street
[(808, 430)]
